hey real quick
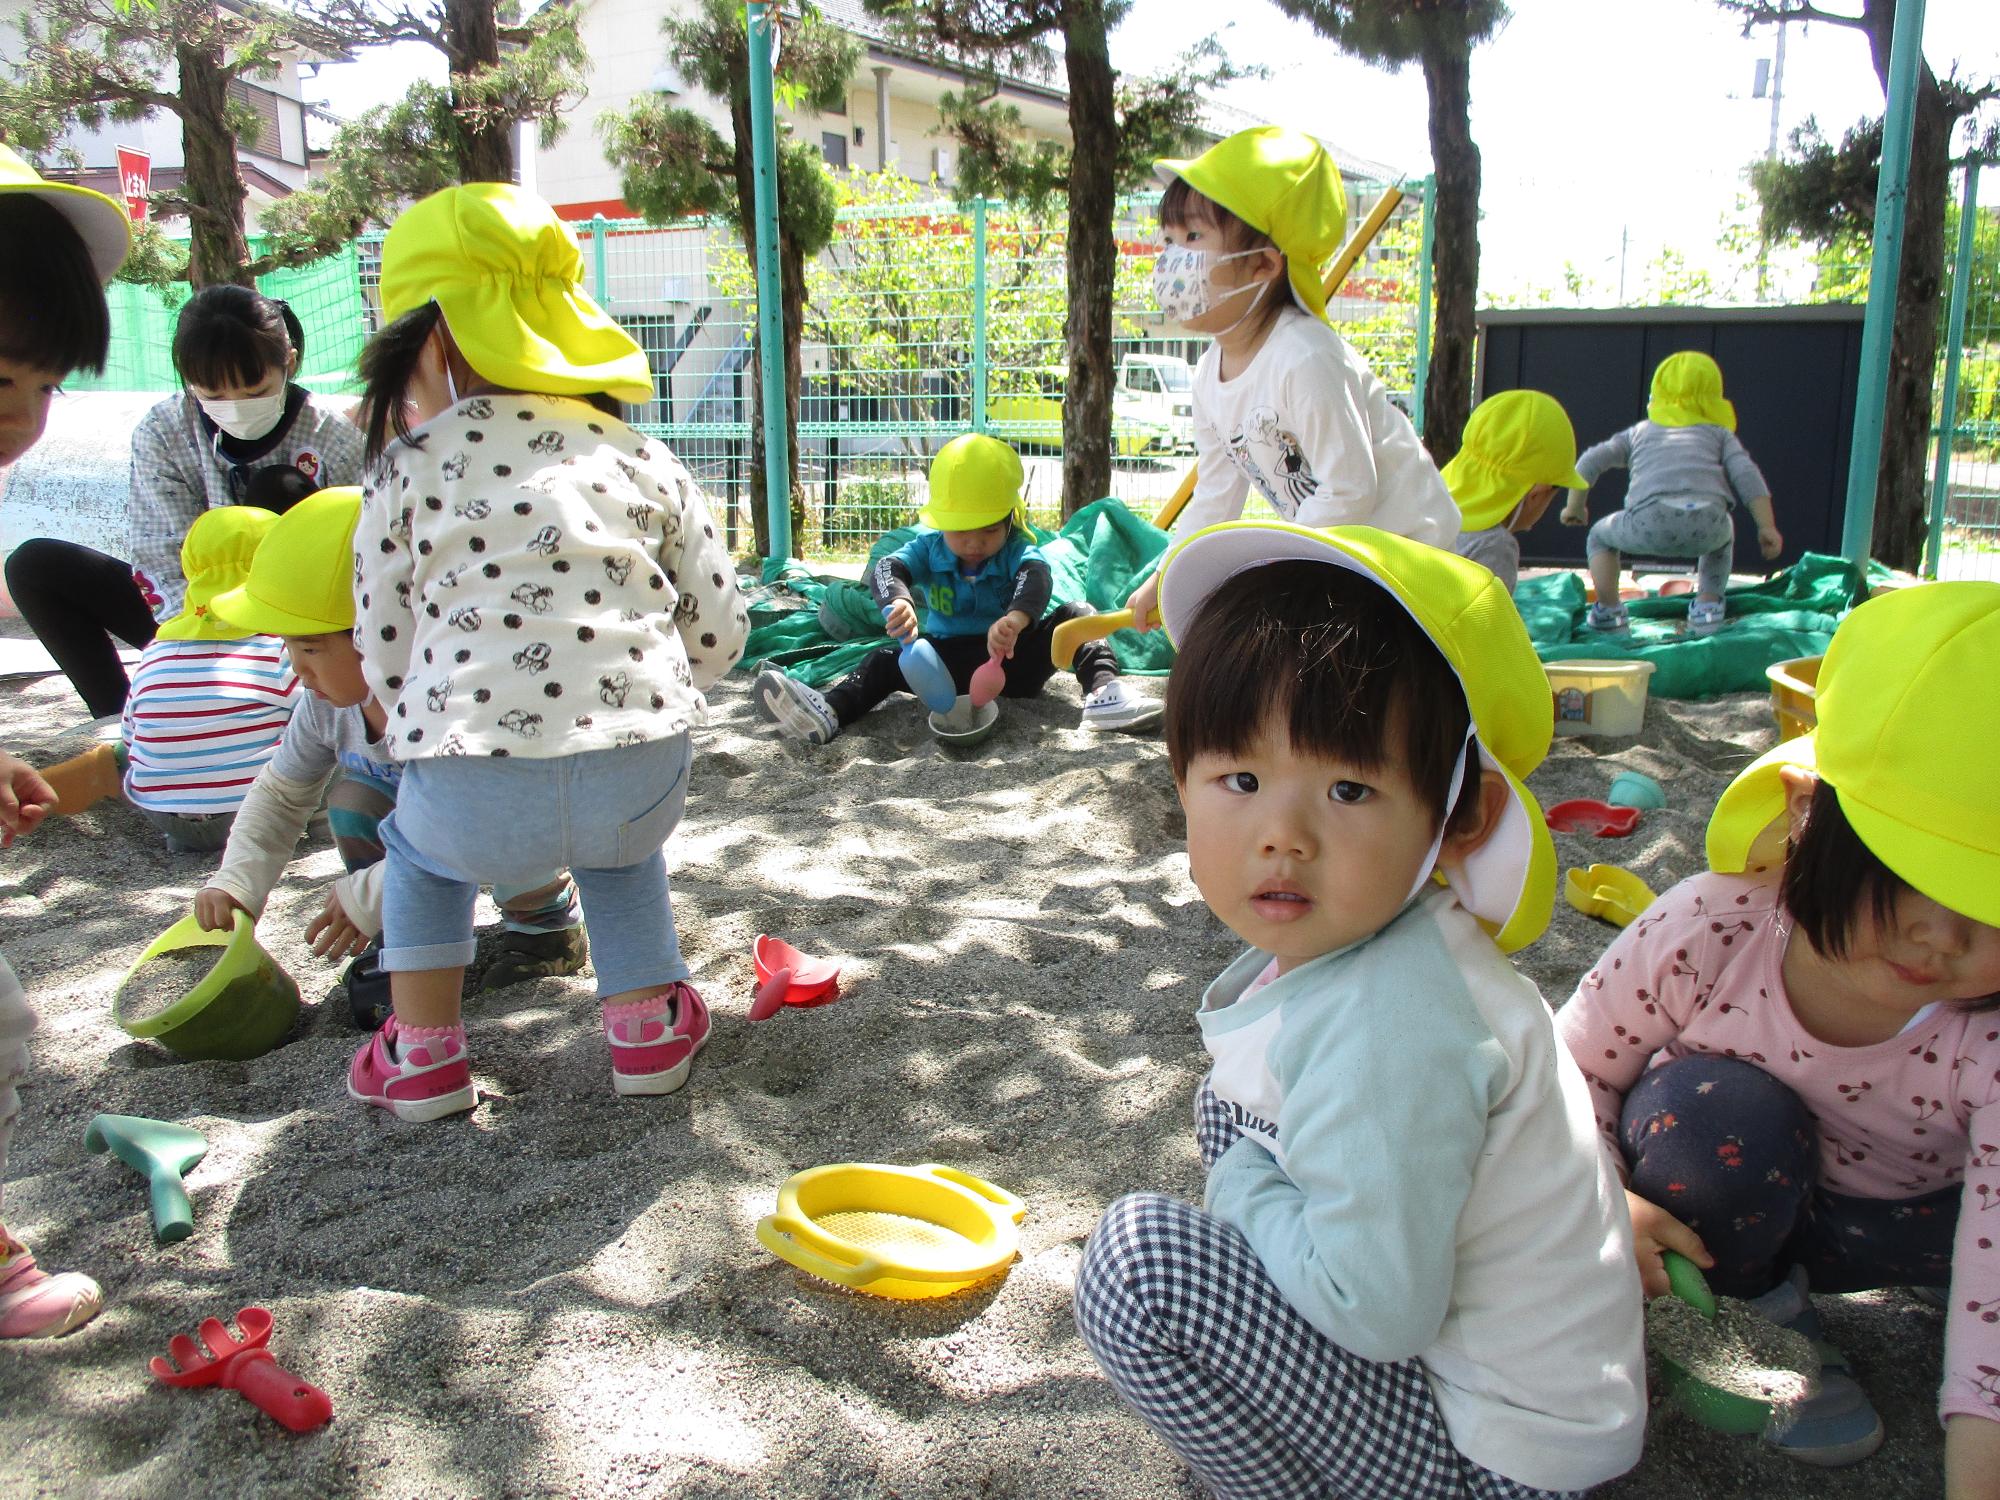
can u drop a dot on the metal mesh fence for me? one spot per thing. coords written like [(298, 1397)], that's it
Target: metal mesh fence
[(1966, 454)]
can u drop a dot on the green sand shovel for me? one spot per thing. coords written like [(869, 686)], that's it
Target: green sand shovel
[(162, 1154)]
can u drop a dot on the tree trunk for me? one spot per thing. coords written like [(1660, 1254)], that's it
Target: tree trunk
[(1454, 244), (482, 140), (1092, 256), (218, 253), (791, 282), (1902, 503)]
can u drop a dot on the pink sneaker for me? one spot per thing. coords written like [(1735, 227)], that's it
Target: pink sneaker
[(653, 1041), (36, 1305), (420, 1080)]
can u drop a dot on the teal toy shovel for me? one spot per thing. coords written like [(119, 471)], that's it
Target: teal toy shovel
[(162, 1154)]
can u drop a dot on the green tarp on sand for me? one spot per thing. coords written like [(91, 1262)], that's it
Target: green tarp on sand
[(1098, 557)]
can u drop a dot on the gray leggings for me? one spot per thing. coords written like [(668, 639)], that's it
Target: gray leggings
[(1671, 527)]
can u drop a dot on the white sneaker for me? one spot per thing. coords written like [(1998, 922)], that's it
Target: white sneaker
[(1705, 616), (796, 709), (1112, 706)]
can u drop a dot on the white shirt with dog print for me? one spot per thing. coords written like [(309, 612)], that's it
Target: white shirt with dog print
[(1310, 428), (532, 577)]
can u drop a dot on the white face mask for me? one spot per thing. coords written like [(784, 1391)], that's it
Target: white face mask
[(246, 420), (1183, 284)]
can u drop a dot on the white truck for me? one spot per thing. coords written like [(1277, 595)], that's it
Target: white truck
[(1158, 388)]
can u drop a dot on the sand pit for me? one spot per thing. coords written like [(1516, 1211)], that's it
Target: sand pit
[(561, 1294)]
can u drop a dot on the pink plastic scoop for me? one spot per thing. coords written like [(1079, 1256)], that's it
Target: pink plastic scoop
[(988, 678)]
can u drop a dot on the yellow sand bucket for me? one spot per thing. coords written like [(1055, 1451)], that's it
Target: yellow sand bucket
[(902, 1232), (241, 1008)]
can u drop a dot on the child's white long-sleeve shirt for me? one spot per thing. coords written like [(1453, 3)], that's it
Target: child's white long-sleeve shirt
[(1420, 1176), (533, 577), (1311, 428)]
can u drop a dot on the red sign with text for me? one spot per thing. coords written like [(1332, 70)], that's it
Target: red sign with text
[(135, 180)]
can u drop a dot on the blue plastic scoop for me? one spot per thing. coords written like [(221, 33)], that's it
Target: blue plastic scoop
[(924, 670)]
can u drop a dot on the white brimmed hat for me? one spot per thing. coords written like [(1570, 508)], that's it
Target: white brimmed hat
[(99, 222)]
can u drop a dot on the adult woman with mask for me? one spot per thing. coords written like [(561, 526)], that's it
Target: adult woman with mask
[(240, 415)]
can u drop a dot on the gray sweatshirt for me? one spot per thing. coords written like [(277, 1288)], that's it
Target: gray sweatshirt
[(1702, 462)]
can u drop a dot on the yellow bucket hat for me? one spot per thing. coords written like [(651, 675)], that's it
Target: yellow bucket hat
[(508, 277), (1513, 441), (99, 221), (1687, 391), (975, 481), (215, 557), (1509, 882), (1909, 738), (1283, 183), (302, 579)]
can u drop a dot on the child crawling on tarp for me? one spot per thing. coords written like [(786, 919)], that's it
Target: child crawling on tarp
[(984, 587)]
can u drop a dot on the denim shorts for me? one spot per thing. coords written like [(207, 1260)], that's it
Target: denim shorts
[(463, 821)]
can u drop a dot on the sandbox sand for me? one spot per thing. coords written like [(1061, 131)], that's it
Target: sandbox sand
[(561, 1294)]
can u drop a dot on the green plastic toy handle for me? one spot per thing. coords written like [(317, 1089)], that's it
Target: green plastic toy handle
[(1685, 1280)]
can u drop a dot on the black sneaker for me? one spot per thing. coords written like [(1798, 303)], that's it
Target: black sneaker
[(522, 956), (368, 988)]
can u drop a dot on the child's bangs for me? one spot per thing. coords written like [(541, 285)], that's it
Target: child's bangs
[(1328, 657), (1182, 206), (52, 313)]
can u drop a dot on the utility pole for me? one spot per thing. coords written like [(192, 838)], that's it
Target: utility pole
[(1771, 154)]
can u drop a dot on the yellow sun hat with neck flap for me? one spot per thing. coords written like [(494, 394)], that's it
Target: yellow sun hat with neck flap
[(1687, 392), (215, 557), (1282, 183), (1908, 735), (99, 221), (1509, 882), (507, 275), (301, 581), (1513, 442), (975, 480)]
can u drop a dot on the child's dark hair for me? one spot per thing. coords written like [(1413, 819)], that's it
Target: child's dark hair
[(389, 362), (1831, 876), (277, 488), (230, 335), (52, 313), (1181, 205), (1330, 658)]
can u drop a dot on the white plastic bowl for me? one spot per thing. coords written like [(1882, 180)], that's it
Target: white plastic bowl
[(964, 726)]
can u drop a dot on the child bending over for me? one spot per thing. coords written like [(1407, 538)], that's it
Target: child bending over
[(299, 588), (1796, 1060), (1409, 1276), (1518, 450), (1687, 468), (984, 588)]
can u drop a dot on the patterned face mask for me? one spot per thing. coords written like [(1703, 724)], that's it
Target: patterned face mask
[(1183, 283)]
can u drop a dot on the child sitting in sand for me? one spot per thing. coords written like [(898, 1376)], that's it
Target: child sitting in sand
[(1282, 405), (1409, 1277), (1795, 1060), (210, 700), (984, 586), (1518, 450), (542, 600), (1687, 468), (59, 245), (298, 588)]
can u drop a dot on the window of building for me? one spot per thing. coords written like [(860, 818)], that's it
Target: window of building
[(264, 139), (833, 146)]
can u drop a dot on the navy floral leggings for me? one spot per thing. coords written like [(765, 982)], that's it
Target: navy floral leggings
[(1734, 1154)]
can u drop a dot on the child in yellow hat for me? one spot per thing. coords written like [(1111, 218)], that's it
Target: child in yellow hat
[(984, 587), (209, 702), (1282, 405), (1518, 450), (1400, 1159), (541, 600), (299, 589), (1796, 1059), (1687, 469), (59, 244)]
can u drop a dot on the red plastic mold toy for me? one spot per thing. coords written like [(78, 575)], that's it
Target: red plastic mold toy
[(1588, 815), (786, 976)]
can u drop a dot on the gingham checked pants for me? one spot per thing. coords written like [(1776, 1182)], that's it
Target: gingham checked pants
[(1193, 1332)]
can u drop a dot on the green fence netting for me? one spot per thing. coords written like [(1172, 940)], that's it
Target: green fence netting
[(818, 627)]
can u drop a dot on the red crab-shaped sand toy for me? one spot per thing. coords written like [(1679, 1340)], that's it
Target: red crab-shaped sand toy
[(786, 976), (1588, 815), (245, 1366)]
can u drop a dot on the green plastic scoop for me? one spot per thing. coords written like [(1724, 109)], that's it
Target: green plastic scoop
[(161, 1153)]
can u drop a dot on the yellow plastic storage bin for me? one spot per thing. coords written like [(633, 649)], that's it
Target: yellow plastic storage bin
[(901, 1232), (1599, 697), (1794, 691)]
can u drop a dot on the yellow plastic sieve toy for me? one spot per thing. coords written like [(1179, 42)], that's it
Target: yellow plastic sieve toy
[(901, 1232)]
